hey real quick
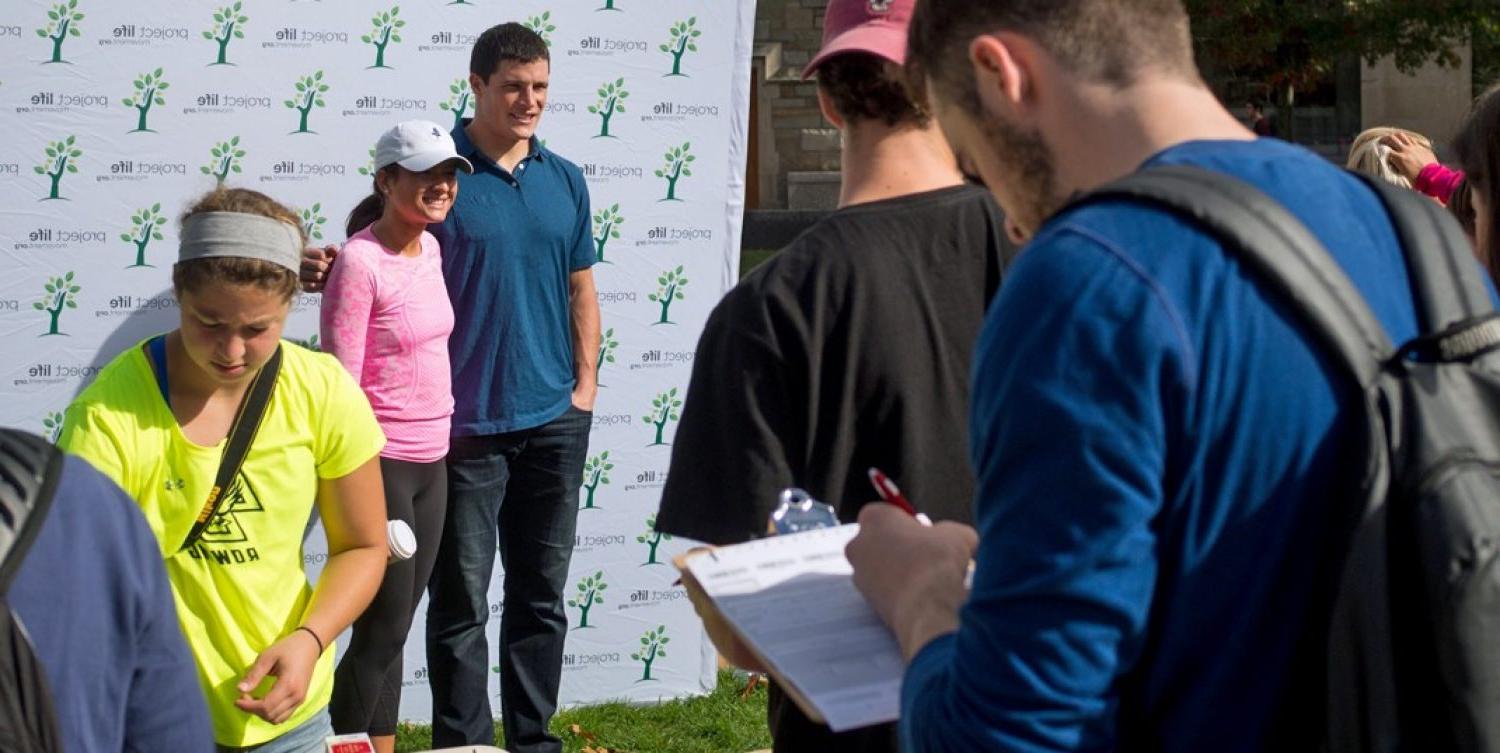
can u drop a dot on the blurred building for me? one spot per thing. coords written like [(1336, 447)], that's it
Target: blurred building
[(794, 155)]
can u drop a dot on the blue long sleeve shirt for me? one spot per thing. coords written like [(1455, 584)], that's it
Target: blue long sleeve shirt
[(94, 597), (1158, 446)]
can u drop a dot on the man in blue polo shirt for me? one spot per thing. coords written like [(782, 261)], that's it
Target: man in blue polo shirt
[(1160, 445), (517, 251)]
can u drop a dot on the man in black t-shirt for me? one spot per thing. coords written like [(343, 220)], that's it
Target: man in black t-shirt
[(851, 347)]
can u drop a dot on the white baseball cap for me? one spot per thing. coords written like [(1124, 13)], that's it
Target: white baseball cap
[(417, 145)]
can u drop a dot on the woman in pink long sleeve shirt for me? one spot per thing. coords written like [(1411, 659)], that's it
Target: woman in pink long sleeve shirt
[(386, 316)]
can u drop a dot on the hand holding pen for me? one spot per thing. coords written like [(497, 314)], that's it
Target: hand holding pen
[(888, 492)]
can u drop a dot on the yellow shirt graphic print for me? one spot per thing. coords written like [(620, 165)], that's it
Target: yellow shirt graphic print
[(241, 587)]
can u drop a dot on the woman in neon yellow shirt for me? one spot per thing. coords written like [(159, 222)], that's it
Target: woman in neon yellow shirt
[(156, 421)]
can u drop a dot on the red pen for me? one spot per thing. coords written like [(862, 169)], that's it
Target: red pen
[(888, 492)]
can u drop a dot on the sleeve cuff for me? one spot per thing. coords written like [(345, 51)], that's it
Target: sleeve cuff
[(923, 673), (1438, 181)]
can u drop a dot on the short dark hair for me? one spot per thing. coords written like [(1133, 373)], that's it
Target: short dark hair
[(863, 87), (506, 42), (1106, 40)]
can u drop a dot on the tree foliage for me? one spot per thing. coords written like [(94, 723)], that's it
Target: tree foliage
[(1289, 44)]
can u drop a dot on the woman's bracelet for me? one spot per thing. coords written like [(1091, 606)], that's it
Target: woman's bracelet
[(314, 637)]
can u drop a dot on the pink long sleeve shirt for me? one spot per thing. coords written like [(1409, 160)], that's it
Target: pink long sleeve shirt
[(386, 317), (1438, 181)]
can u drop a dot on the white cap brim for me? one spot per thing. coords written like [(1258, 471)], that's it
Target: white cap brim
[(421, 163)]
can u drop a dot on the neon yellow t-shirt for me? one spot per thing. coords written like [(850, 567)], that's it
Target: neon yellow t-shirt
[(242, 587)]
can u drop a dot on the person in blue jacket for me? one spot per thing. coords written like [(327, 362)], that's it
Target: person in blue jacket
[(1158, 443), (94, 597)]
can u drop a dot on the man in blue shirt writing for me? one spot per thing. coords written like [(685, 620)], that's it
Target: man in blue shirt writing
[(1159, 444)]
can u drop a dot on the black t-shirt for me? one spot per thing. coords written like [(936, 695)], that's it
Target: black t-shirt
[(849, 349)]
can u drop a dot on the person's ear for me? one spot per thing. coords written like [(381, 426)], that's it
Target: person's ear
[(830, 113), (1005, 67), (476, 84)]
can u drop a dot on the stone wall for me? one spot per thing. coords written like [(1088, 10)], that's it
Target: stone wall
[(797, 148), (1432, 100)]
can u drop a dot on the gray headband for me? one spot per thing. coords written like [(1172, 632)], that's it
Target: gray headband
[(245, 236)]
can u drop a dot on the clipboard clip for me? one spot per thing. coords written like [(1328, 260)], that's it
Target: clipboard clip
[(796, 510)]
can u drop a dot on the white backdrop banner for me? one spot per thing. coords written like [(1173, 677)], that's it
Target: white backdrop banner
[(118, 113)]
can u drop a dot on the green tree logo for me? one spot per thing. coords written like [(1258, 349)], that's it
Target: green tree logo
[(672, 282), (62, 158), (310, 91), (61, 294), (595, 472), (225, 160), (608, 5), (145, 227), (52, 424), (458, 100), (62, 22), (651, 649), (681, 43), (678, 159), (148, 89), (543, 26), (607, 345), (229, 25), (663, 410), (607, 224), (311, 342), (312, 221), (590, 593), (369, 167), (652, 538), (612, 97), (386, 29)]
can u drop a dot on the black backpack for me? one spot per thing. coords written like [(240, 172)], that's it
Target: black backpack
[(29, 471), (1413, 627)]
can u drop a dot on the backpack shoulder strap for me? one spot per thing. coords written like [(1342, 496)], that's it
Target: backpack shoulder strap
[(1283, 253), (29, 470), (1445, 277)]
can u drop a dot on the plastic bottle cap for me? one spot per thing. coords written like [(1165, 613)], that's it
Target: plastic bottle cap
[(402, 541)]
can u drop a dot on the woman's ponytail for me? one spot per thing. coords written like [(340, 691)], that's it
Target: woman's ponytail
[(365, 213)]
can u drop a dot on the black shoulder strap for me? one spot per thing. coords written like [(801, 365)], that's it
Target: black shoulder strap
[(1445, 276), (29, 470), (241, 437), (1283, 253)]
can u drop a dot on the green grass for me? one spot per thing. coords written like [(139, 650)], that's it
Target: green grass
[(720, 722), (751, 258)]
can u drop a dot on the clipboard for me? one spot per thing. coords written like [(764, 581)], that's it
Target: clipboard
[(791, 691), (791, 602)]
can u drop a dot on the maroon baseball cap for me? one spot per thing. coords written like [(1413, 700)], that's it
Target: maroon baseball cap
[(877, 27)]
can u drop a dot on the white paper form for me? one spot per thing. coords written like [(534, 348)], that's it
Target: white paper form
[(791, 598)]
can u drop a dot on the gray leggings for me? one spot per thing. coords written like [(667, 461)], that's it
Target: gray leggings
[(367, 685)]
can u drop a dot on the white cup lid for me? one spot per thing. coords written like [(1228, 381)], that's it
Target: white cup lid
[(402, 541)]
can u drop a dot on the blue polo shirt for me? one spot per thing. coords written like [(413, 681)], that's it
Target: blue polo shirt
[(1159, 444), (508, 246)]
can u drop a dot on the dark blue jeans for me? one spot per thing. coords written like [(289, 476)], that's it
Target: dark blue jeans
[(520, 490)]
